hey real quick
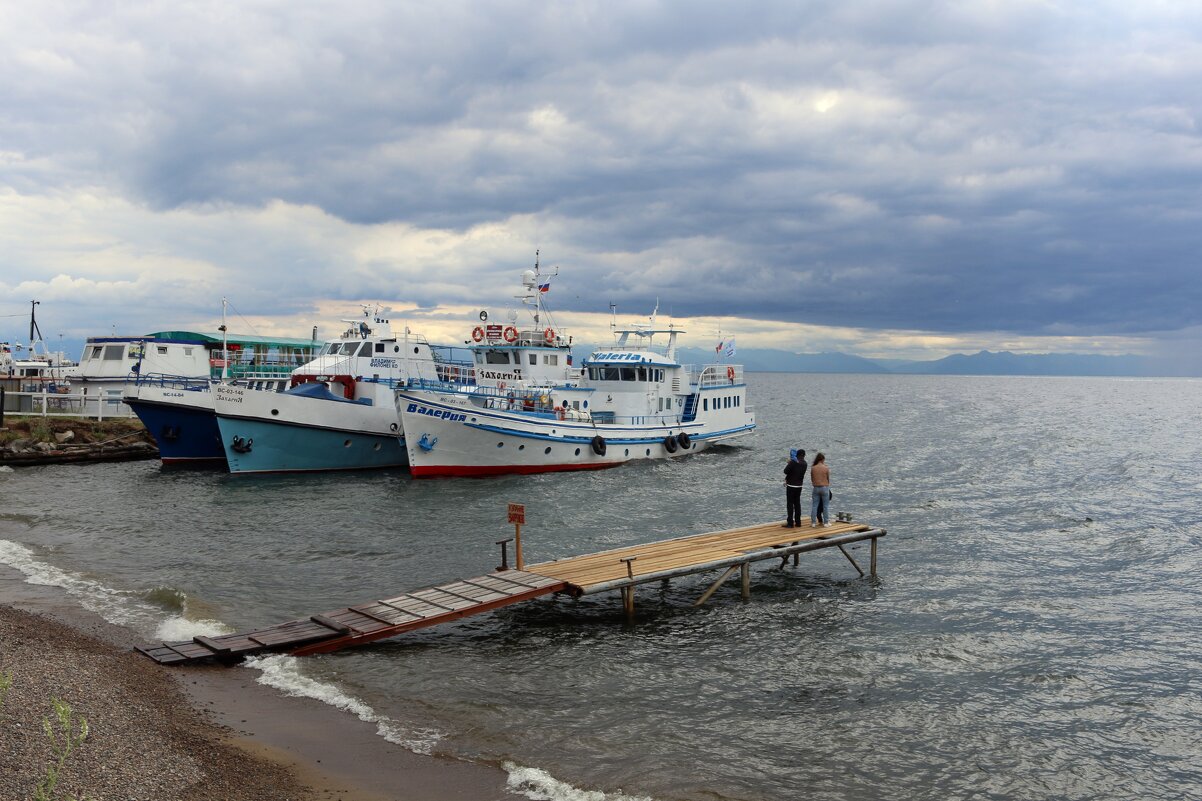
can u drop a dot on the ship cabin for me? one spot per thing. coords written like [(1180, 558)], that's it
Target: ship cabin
[(258, 362), (637, 384), (375, 355)]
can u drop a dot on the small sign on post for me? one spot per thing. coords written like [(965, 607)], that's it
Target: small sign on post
[(517, 516)]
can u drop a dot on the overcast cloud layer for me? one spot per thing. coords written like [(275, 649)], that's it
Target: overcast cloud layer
[(980, 172)]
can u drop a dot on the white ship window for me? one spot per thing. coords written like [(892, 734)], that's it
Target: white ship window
[(705, 404), (628, 373), (113, 353), (365, 350), (162, 350), (642, 373), (552, 359), (534, 358), (496, 357), (187, 351), (379, 347), (576, 405), (349, 348)]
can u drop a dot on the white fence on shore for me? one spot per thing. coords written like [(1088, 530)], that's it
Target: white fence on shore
[(59, 404)]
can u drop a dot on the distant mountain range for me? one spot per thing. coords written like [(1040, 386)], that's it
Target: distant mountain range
[(983, 363)]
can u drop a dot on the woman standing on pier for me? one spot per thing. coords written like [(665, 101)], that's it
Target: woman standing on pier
[(820, 499)]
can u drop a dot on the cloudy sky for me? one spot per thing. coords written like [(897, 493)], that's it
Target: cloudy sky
[(882, 178)]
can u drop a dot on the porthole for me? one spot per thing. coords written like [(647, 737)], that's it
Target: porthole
[(500, 444), (346, 444), (694, 446), (577, 451), (521, 447), (275, 412), (393, 427), (415, 351), (648, 451), (396, 348), (547, 451), (376, 447), (627, 451)]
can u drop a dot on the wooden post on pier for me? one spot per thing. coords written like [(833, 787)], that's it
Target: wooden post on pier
[(872, 568), (746, 570), (517, 516), (628, 591)]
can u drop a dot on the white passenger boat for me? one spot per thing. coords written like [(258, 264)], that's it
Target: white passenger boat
[(531, 411), (339, 413)]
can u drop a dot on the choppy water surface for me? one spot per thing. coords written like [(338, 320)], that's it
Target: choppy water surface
[(1033, 633)]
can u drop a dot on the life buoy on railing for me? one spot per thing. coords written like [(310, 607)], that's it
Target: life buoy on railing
[(730, 374), (670, 444), (510, 333), (501, 386), (549, 335), (478, 334), (598, 444)]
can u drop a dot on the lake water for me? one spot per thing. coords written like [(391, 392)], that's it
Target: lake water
[(1033, 632)]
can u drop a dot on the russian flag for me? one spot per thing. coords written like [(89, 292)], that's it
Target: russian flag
[(544, 287)]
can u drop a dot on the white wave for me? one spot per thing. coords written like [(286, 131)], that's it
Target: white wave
[(283, 673), (116, 606), (539, 785)]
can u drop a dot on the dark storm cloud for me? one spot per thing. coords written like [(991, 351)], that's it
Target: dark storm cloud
[(1013, 167)]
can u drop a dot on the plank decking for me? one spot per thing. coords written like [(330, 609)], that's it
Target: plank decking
[(618, 569)]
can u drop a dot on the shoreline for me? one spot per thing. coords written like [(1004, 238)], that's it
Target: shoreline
[(218, 733)]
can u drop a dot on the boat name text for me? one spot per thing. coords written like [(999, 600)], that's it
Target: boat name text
[(445, 414)]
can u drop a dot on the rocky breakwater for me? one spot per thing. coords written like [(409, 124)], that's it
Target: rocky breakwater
[(41, 440)]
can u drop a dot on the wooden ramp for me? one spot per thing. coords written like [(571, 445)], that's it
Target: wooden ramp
[(619, 569), (375, 620)]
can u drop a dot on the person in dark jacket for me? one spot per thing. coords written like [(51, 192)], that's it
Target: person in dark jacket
[(795, 473)]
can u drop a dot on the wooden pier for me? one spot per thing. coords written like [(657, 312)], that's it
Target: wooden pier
[(620, 569)]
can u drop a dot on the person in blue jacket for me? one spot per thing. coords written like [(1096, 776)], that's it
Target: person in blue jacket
[(795, 473)]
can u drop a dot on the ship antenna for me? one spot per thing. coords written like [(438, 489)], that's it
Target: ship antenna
[(225, 342)]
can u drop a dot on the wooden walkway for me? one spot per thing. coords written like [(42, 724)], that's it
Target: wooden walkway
[(375, 620), (620, 569)]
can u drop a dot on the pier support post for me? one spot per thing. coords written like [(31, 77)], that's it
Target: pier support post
[(705, 596), (746, 571), (853, 561), (628, 591), (872, 564)]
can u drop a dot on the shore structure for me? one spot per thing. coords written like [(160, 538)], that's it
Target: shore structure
[(620, 570)]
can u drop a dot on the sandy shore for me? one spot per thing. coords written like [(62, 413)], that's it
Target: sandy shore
[(188, 733)]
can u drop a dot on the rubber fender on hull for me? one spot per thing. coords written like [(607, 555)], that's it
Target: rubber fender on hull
[(683, 439), (599, 445), (670, 443)]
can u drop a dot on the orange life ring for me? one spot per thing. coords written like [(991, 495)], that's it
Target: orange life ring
[(730, 373), (510, 333), (477, 334), (549, 335)]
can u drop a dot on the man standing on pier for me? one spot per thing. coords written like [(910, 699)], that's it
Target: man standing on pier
[(795, 473)]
